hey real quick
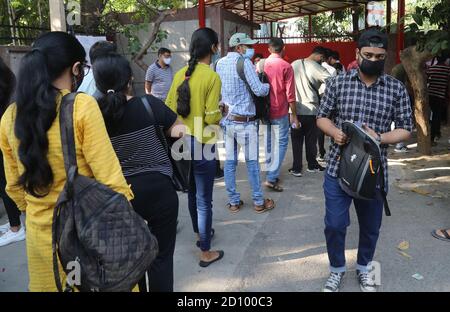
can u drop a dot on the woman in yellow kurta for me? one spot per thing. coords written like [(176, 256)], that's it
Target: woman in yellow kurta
[(31, 144)]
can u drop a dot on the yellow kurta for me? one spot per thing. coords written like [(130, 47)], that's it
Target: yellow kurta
[(96, 158)]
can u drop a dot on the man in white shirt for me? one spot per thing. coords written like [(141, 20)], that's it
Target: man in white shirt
[(332, 58)]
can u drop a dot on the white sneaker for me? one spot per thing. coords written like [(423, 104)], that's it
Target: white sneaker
[(334, 282), (366, 282), (4, 228), (12, 237)]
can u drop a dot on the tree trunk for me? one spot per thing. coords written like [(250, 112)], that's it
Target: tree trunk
[(157, 24), (414, 64), (91, 11)]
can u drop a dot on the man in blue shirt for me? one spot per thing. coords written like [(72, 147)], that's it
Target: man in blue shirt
[(240, 124)]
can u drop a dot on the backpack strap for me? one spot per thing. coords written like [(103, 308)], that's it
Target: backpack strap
[(68, 139), (70, 165), (241, 73), (387, 211), (159, 132)]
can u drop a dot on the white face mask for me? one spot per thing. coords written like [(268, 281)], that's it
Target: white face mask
[(167, 61)]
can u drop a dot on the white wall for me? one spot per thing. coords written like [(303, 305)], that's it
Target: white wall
[(178, 40)]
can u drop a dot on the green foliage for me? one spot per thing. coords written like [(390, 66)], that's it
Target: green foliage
[(27, 13), (336, 23), (430, 27)]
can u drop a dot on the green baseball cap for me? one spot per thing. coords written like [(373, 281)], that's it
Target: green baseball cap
[(241, 38)]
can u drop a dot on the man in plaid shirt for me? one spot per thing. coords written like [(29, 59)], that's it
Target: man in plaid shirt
[(375, 100)]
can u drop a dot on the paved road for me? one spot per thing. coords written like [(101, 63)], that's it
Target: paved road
[(284, 250)]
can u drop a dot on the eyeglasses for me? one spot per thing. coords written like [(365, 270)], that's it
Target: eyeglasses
[(369, 56), (86, 68)]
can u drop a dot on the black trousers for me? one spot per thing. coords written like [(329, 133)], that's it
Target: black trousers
[(156, 201), (436, 104), (308, 134), (321, 143), (11, 208)]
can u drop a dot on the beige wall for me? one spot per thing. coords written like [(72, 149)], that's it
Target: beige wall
[(179, 30)]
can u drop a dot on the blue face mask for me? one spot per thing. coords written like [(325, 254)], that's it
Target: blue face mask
[(249, 53), (215, 57)]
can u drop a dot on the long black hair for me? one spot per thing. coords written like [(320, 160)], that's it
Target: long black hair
[(112, 73), (7, 85), (52, 54), (201, 46)]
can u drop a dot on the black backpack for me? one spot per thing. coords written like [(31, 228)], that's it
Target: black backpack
[(96, 227), (360, 166), (262, 103)]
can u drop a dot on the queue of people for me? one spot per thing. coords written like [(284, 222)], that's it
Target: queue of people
[(117, 141)]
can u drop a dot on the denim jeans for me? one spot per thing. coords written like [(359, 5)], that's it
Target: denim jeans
[(337, 219), (201, 192), (245, 135), (278, 136)]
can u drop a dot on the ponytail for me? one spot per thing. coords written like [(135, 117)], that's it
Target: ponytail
[(184, 91), (36, 111), (112, 106), (112, 74), (36, 105)]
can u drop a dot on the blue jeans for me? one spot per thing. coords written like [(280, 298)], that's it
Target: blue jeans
[(245, 135), (278, 135), (337, 219), (201, 192)]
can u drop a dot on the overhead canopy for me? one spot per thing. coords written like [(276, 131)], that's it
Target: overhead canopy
[(260, 11)]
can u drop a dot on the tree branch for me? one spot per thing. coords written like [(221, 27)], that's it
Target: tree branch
[(157, 24)]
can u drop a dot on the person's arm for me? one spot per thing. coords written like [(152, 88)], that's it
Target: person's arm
[(148, 87), (14, 191), (149, 78), (327, 106), (96, 145), (290, 95), (212, 111), (257, 87), (403, 122)]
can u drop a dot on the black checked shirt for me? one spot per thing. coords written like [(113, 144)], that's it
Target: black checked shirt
[(347, 98)]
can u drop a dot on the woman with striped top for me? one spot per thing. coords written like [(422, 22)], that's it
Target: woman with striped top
[(438, 88), (143, 158)]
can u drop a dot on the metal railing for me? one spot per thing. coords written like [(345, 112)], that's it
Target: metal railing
[(24, 35), (306, 39)]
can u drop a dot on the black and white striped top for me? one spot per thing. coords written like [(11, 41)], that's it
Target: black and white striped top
[(136, 144), (438, 78)]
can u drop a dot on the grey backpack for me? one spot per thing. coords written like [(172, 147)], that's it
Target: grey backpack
[(95, 230)]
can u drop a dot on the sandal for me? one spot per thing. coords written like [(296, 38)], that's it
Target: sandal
[(204, 264), (212, 235), (446, 236), (275, 186), (269, 204), (235, 208)]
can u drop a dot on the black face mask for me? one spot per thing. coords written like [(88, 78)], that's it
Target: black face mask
[(372, 68)]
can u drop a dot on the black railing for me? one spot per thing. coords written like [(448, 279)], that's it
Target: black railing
[(304, 39), (23, 35)]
